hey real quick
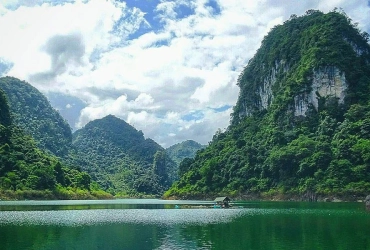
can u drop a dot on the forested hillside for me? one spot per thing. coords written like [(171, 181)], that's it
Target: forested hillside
[(121, 159), (301, 123), (115, 154), (185, 149), (28, 172), (32, 112)]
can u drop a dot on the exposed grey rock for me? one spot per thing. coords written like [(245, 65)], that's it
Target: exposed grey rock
[(367, 202), (327, 81)]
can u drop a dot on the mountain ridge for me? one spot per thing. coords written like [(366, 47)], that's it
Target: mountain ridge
[(182, 150), (120, 158), (130, 164), (299, 126), (27, 172), (33, 113)]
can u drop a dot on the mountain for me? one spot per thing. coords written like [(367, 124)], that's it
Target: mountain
[(5, 119), (301, 125), (121, 159), (185, 149), (33, 113), (26, 172), (115, 154)]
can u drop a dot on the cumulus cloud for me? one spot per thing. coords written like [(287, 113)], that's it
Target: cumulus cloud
[(169, 71), (65, 51)]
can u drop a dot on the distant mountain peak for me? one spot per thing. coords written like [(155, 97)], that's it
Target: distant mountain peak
[(182, 150)]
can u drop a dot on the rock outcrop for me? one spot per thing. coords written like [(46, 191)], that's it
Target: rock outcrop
[(297, 70), (327, 82)]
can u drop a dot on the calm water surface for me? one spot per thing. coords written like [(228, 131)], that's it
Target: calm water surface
[(156, 224)]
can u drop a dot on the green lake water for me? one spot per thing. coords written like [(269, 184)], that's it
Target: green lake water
[(156, 224)]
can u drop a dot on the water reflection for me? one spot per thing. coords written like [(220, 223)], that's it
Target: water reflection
[(257, 226), (108, 228), (111, 216), (97, 204)]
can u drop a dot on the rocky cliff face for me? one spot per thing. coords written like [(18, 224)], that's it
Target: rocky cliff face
[(301, 123), (327, 82), (302, 63)]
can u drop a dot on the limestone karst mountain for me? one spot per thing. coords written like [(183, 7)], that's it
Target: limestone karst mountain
[(301, 123)]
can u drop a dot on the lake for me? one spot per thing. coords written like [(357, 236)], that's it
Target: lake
[(157, 224)]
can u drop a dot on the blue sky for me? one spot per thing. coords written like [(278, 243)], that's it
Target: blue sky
[(169, 68)]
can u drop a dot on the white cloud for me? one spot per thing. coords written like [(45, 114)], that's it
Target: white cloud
[(24, 41), (119, 61)]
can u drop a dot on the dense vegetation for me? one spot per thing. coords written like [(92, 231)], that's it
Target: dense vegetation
[(117, 157), (267, 150), (274, 152), (121, 159), (28, 172), (33, 113), (182, 150)]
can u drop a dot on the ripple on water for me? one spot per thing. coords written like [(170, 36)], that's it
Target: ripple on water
[(104, 216), (146, 216)]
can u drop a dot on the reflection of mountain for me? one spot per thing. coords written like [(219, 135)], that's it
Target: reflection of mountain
[(261, 225)]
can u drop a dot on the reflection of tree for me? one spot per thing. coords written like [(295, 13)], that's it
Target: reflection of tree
[(108, 236), (282, 230), (302, 226)]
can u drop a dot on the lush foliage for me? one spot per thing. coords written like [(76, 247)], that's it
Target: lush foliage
[(185, 149), (121, 160), (115, 154), (272, 151), (28, 172), (33, 113), (5, 119)]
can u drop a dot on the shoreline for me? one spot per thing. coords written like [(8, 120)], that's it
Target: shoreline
[(277, 197), (9, 195)]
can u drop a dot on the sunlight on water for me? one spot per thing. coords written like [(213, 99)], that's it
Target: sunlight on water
[(102, 216), (156, 224)]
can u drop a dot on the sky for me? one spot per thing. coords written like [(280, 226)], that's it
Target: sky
[(168, 68)]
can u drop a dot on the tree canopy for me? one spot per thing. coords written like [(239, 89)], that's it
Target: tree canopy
[(32, 112), (270, 150), (121, 159)]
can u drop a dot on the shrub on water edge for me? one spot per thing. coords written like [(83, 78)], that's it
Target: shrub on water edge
[(60, 193), (35, 194), (100, 194), (82, 194), (7, 195), (361, 187), (64, 193)]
